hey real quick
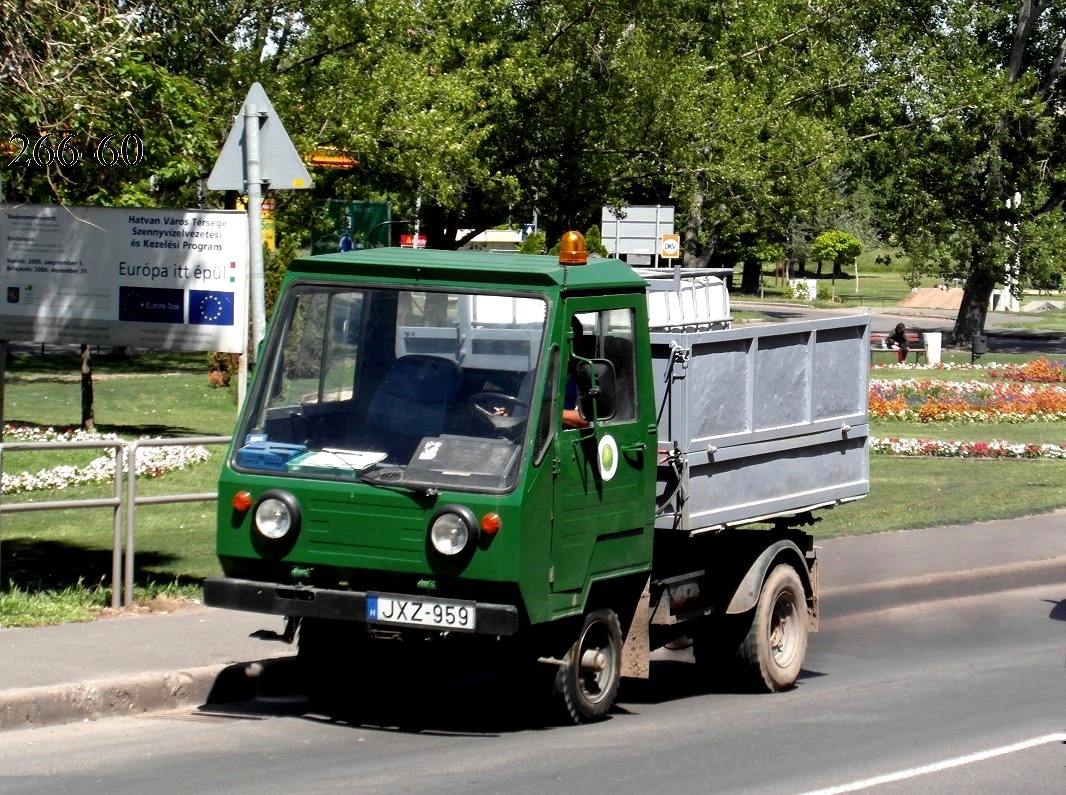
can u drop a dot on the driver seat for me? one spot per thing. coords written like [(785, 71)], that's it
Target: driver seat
[(411, 403)]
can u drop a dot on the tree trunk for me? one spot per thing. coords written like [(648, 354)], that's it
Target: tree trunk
[(749, 282), (974, 308), (691, 243), (86, 389)]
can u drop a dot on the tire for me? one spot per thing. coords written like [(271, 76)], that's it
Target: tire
[(776, 644), (589, 677)]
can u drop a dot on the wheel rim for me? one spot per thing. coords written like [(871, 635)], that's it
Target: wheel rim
[(596, 663), (784, 629)]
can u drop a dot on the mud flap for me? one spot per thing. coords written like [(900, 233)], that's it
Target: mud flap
[(636, 648)]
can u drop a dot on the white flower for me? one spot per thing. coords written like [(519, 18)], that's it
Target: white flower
[(151, 461)]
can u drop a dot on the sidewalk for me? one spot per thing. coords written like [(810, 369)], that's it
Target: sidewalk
[(130, 665)]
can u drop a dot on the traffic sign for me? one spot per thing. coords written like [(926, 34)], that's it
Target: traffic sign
[(279, 163), (670, 246)]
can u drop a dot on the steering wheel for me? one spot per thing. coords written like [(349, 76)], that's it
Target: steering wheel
[(499, 411)]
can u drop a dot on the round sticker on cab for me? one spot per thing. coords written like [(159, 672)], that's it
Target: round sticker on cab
[(608, 457)]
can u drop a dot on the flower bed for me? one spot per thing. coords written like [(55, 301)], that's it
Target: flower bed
[(967, 401), (151, 461), (1041, 371), (939, 449), (949, 366)]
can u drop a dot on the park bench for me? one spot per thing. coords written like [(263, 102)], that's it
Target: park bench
[(915, 342)]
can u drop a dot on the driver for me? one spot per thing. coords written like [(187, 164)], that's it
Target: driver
[(571, 416)]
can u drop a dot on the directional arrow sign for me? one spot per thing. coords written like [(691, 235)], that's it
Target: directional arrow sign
[(280, 164)]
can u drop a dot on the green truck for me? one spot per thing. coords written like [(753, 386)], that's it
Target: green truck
[(536, 460)]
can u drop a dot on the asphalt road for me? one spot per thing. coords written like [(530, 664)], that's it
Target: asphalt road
[(961, 695)]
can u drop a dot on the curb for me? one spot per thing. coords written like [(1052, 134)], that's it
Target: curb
[(53, 705), (858, 599)]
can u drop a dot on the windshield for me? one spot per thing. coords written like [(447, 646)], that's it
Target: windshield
[(402, 387)]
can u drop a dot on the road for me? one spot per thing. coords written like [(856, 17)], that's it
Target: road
[(963, 695)]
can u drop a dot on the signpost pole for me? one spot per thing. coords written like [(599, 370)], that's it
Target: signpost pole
[(254, 187)]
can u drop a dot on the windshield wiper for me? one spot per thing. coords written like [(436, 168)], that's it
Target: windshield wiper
[(392, 477)]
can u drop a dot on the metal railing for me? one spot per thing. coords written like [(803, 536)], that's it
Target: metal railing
[(126, 453), (132, 500)]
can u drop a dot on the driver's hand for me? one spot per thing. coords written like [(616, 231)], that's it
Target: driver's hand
[(500, 411)]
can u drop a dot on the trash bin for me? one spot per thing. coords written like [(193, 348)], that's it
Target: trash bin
[(978, 347), (933, 345)]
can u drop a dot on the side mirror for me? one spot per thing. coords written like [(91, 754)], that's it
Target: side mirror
[(596, 389)]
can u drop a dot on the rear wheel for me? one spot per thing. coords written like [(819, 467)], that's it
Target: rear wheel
[(776, 644), (588, 679)]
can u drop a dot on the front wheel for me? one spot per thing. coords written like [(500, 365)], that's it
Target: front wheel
[(776, 644), (589, 677)]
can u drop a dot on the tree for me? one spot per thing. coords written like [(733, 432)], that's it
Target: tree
[(762, 89), (837, 247), (79, 72), (978, 120)]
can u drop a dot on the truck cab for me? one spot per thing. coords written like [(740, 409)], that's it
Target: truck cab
[(402, 461)]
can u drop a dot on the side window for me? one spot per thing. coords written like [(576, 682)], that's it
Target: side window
[(609, 335), (615, 343), (543, 438)]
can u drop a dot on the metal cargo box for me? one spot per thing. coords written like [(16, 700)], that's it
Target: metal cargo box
[(761, 421)]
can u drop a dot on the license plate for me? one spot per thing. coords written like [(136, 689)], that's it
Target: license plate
[(417, 612)]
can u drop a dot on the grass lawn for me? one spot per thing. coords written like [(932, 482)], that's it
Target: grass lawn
[(911, 493), (56, 566)]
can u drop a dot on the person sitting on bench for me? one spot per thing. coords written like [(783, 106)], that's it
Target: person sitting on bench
[(899, 337)]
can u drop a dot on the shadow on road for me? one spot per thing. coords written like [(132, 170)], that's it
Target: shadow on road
[(428, 696)]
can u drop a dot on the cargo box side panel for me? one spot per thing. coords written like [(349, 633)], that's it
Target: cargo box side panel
[(771, 420), (841, 364), (782, 380), (775, 483)]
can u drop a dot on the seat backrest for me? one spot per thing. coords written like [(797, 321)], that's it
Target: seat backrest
[(413, 397)]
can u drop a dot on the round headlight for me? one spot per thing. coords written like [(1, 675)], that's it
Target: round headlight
[(276, 516), (452, 530)]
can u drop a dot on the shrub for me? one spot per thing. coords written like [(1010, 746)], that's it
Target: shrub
[(223, 367)]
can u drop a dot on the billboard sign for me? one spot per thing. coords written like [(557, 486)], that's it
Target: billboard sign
[(164, 279), (635, 230)]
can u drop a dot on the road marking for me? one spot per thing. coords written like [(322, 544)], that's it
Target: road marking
[(937, 767)]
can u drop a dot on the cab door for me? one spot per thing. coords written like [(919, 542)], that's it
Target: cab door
[(604, 481)]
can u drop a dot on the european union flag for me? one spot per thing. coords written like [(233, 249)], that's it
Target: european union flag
[(210, 308), (151, 305)]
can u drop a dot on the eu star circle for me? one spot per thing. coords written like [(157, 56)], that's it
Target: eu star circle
[(210, 307)]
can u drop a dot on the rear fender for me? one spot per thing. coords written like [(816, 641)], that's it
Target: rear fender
[(747, 593)]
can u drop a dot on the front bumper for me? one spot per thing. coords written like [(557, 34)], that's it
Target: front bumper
[(307, 602)]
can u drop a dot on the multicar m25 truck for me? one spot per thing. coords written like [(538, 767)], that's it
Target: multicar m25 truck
[(408, 469)]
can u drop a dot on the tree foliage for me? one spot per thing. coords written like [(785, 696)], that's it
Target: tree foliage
[(761, 121), (979, 120), (85, 69), (837, 247)]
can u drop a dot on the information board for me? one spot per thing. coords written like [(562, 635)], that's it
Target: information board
[(149, 278), (635, 229)]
